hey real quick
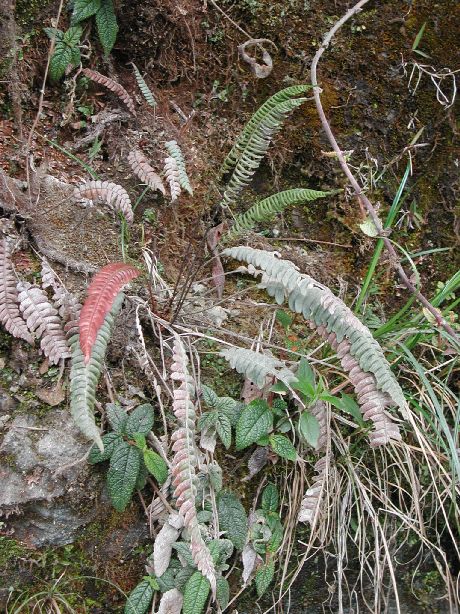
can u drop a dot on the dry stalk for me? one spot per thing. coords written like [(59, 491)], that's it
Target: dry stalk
[(361, 196)]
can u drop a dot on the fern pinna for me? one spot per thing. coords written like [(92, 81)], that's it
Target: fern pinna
[(266, 208), (175, 152), (359, 353), (109, 193), (186, 459), (144, 171), (111, 85), (102, 291)]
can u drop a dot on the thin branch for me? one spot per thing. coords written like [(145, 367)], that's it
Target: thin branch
[(362, 198)]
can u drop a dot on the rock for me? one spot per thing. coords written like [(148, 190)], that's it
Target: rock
[(44, 502)]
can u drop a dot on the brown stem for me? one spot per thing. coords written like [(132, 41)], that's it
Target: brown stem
[(362, 198)]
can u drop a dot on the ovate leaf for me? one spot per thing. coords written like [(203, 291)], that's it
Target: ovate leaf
[(255, 421), (140, 420), (308, 428), (116, 416), (140, 598), (72, 36), (82, 9), (156, 466), (224, 430), (210, 398), (346, 403), (222, 592), (60, 59), (196, 593), (107, 27), (122, 474), (270, 498), (283, 447), (264, 577), (110, 441), (232, 518)]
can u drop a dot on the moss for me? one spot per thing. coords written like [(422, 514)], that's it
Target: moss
[(28, 11), (10, 549)]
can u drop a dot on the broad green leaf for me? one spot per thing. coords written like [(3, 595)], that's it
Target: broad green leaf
[(116, 416), (221, 550), (231, 408), (283, 318), (140, 420), (210, 398), (215, 476), (182, 577), (263, 441), (141, 476), (110, 441), (140, 598), (308, 428), (224, 430), (305, 372), (255, 421), (58, 35), (140, 440), (207, 420), (283, 447), (270, 498), (82, 9), (75, 57), (167, 581), (279, 406), (60, 59), (122, 474), (183, 549), (72, 36), (232, 518), (156, 466), (107, 26), (264, 577), (346, 403), (196, 593), (222, 592), (279, 387), (277, 533)]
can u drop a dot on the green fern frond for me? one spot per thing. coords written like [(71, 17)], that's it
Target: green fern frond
[(256, 147), (266, 208), (321, 307), (240, 145), (256, 366), (175, 152), (149, 97), (84, 377)]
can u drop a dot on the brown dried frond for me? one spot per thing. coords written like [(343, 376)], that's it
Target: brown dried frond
[(312, 498), (171, 171), (43, 320), (144, 171), (109, 193), (10, 316), (67, 304), (113, 86)]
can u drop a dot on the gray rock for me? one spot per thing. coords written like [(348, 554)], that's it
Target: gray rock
[(44, 500)]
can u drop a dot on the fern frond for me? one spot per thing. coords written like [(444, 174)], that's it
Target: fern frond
[(175, 152), (163, 546), (186, 459), (144, 171), (64, 301), (360, 354), (235, 153), (10, 316), (149, 97), (109, 193), (256, 366), (266, 208), (84, 376), (43, 320), (319, 411), (172, 177), (312, 498), (102, 291), (257, 146), (111, 85)]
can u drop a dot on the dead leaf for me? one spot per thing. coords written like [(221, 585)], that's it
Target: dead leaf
[(51, 396)]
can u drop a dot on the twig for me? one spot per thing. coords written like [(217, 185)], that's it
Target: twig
[(362, 198)]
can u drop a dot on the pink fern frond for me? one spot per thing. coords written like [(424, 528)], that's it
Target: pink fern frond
[(111, 85), (109, 193), (144, 171)]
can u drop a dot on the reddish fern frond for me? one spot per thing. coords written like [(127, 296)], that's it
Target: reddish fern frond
[(43, 320), (102, 291), (171, 171), (111, 85), (186, 459), (10, 316), (144, 171), (109, 193)]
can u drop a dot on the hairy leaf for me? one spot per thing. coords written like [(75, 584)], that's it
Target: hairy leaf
[(162, 548), (171, 602), (264, 577), (223, 592), (102, 292), (110, 442), (82, 9), (196, 593), (140, 598), (140, 420), (270, 498), (283, 447), (156, 466), (224, 429), (65, 51), (116, 416), (255, 420), (232, 518), (122, 475), (107, 26)]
